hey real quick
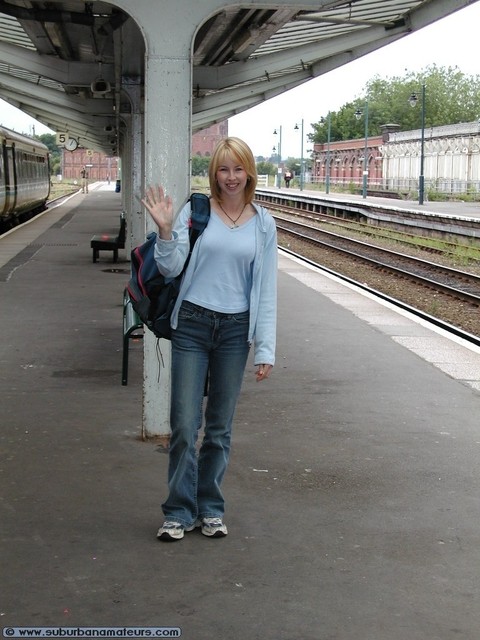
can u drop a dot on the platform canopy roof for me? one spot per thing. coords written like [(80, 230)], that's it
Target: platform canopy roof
[(69, 64)]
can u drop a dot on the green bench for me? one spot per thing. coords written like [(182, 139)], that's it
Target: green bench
[(132, 325)]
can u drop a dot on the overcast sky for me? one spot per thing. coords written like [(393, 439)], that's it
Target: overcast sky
[(448, 42)]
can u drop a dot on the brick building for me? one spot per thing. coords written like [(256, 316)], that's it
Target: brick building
[(101, 168), (346, 161), (205, 141)]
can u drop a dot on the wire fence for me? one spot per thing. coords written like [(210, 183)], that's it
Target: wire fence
[(441, 186)]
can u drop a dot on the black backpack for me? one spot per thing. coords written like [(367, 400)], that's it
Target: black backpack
[(153, 296)]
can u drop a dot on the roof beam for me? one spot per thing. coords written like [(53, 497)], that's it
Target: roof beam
[(65, 117), (361, 41), (55, 69), (219, 106), (79, 107), (216, 78), (50, 105)]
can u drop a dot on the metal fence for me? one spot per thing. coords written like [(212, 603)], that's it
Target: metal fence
[(440, 185)]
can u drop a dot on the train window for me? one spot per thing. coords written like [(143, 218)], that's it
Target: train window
[(25, 165)]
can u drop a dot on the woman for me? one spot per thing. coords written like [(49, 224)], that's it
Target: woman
[(227, 301)]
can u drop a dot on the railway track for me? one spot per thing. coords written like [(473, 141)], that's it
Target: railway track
[(458, 284), (455, 248), (443, 294)]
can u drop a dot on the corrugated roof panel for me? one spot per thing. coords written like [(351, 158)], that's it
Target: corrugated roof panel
[(30, 77), (12, 32), (311, 27)]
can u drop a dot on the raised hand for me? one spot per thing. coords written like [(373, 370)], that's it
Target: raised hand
[(160, 207)]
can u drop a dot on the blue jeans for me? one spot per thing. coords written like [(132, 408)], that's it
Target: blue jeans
[(205, 343)]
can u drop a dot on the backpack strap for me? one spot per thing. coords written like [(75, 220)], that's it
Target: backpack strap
[(200, 207)]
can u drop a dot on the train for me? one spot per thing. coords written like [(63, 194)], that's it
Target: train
[(24, 178)]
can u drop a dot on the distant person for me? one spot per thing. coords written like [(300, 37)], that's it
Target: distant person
[(288, 177), (84, 177)]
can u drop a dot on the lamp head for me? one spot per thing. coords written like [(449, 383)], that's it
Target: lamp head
[(413, 99)]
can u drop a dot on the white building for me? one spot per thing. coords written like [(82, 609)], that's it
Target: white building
[(451, 158)]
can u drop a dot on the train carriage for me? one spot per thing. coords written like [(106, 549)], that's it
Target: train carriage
[(24, 176)]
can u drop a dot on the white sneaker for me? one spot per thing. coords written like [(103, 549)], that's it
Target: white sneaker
[(171, 530), (213, 528)]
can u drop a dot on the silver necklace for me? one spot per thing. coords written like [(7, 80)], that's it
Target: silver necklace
[(234, 222)]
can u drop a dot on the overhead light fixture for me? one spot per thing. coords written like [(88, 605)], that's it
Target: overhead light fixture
[(100, 86)]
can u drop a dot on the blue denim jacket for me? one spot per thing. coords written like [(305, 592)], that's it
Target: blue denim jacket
[(170, 256)]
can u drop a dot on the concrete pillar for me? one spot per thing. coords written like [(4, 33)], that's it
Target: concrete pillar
[(133, 178), (126, 179), (167, 138), (168, 29)]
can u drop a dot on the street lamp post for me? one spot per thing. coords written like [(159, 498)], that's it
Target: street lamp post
[(358, 115), (302, 177), (275, 157), (421, 179), (327, 169), (279, 176)]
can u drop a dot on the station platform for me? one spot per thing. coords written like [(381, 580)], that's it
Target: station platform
[(454, 208), (352, 492)]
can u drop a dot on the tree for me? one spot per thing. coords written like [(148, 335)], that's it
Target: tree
[(266, 168), (200, 165), (292, 164), (50, 141), (450, 97)]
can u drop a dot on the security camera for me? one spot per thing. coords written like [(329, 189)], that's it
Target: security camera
[(100, 86)]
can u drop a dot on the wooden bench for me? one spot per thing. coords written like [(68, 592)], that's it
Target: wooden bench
[(131, 326), (110, 242)]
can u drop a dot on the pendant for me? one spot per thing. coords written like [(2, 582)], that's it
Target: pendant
[(234, 226)]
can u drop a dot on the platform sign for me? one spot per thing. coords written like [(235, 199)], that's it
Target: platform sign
[(65, 140), (62, 137)]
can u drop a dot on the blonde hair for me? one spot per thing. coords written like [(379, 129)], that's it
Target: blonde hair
[(239, 151)]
